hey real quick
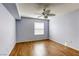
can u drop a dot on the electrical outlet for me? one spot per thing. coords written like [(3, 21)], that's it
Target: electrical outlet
[(66, 43)]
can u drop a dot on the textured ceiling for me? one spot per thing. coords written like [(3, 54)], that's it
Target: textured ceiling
[(35, 9)]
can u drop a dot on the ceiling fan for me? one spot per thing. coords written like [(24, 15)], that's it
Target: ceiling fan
[(46, 13)]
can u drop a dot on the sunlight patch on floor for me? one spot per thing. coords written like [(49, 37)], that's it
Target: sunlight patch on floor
[(39, 50)]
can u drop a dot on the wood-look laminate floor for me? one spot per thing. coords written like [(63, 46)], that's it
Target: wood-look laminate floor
[(42, 48)]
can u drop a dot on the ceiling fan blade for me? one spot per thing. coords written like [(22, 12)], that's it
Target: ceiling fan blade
[(51, 14), (44, 9)]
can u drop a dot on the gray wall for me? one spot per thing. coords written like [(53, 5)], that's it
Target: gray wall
[(25, 30), (7, 31), (65, 28)]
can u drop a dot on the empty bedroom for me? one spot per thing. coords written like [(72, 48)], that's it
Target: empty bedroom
[(39, 29)]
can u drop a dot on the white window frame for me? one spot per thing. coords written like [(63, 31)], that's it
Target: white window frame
[(38, 28)]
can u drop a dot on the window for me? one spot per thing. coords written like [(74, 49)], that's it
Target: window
[(39, 28)]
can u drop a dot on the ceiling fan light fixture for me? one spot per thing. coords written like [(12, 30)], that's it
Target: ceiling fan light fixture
[(46, 13), (45, 16)]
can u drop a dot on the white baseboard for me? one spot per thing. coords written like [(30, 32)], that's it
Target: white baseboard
[(30, 40), (12, 48), (64, 45)]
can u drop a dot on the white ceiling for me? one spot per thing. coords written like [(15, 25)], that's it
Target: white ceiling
[(35, 9)]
